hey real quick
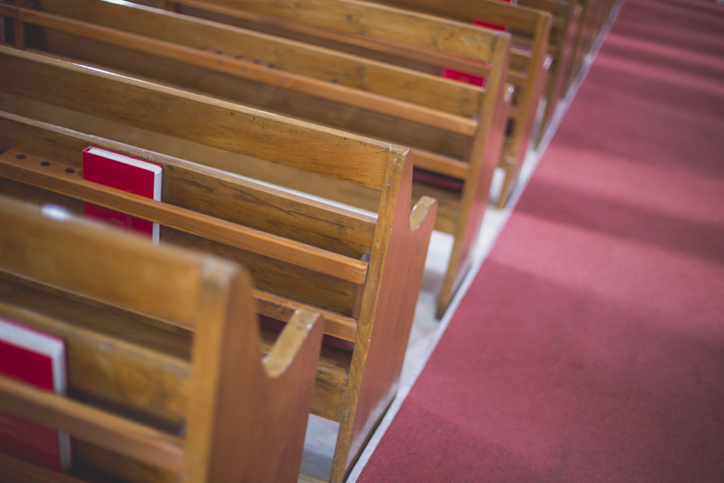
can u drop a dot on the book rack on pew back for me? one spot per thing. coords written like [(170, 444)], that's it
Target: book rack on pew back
[(166, 377), (362, 273), (454, 130)]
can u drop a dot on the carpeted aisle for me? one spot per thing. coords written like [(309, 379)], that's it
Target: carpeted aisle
[(591, 345)]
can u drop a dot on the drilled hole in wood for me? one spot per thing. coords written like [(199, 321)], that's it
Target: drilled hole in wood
[(45, 163), (20, 156), (69, 170)]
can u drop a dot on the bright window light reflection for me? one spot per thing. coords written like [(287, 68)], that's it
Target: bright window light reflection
[(55, 212)]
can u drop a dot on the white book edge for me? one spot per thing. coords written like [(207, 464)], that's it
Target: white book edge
[(46, 345)]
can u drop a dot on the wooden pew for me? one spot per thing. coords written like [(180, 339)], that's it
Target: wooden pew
[(367, 28), (454, 130), (363, 273), (108, 294), (528, 69)]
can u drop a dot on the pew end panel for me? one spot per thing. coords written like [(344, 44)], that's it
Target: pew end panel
[(379, 366), (475, 192)]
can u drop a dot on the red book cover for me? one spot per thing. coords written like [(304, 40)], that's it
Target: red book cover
[(124, 173), (38, 359), (470, 78)]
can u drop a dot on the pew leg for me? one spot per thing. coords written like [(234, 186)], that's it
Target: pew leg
[(509, 179), (457, 267)]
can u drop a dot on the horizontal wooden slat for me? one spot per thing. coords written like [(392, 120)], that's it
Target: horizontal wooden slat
[(331, 38), (376, 21), (553, 6), (106, 367), (288, 281), (19, 470), (522, 20), (280, 308), (29, 170), (334, 363), (272, 51), (270, 274), (308, 479), (195, 118), (249, 69), (448, 209), (162, 336), (93, 425), (516, 17), (441, 164)]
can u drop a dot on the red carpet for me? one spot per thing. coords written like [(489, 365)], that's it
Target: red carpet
[(590, 346)]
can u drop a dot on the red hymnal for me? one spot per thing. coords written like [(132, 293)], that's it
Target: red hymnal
[(124, 173), (470, 78), (37, 359)]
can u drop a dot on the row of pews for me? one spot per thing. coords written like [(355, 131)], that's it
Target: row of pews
[(313, 143)]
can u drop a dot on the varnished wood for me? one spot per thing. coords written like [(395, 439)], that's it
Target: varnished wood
[(27, 168), (527, 69), (339, 382), (233, 395), (280, 210), (253, 70), (394, 83), (475, 194), (378, 368), (592, 18), (576, 25), (260, 207), (352, 17), (21, 471), (201, 119), (115, 380), (578, 42), (96, 426), (437, 150)]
